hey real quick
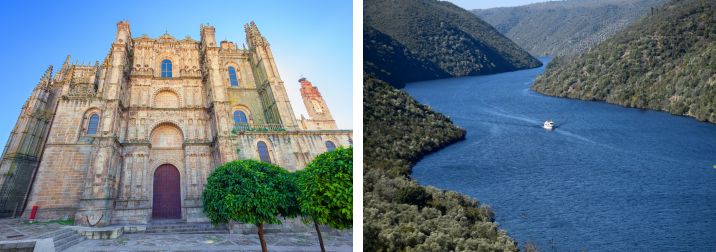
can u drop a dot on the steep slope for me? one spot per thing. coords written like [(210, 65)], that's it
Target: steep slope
[(452, 39), (398, 214), (565, 27), (390, 61), (413, 40), (667, 61)]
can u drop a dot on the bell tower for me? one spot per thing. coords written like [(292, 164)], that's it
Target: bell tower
[(316, 106)]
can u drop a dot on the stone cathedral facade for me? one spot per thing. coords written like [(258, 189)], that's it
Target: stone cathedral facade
[(133, 138)]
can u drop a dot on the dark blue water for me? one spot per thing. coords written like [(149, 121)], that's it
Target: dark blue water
[(608, 178)]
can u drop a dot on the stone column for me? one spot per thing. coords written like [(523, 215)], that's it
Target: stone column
[(127, 178)]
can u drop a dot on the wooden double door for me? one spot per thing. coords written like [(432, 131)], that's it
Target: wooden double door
[(167, 193)]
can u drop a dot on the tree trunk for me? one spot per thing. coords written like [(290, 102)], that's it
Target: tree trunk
[(261, 237), (320, 238)]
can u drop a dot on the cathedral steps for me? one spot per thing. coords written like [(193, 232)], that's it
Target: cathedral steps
[(186, 228), (63, 238), (205, 228)]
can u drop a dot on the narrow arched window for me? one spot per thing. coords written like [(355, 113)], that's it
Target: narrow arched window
[(93, 124), (263, 152), (330, 146), (166, 68), (232, 77), (240, 118)]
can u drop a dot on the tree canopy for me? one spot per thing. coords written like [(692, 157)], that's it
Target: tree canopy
[(326, 186), (241, 191)]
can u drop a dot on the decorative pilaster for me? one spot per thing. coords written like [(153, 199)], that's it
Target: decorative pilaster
[(99, 191), (220, 106)]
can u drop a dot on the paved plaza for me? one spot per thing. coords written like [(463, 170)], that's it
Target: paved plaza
[(15, 229), (19, 229)]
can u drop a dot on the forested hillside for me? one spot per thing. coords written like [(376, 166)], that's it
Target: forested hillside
[(388, 60), (398, 214), (667, 61), (565, 27), (442, 37)]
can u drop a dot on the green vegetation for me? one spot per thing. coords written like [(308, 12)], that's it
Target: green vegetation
[(414, 129), (400, 215), (665, 62), (434, 39), (67, 222), (249, 191), (326, 190), (565, 27)]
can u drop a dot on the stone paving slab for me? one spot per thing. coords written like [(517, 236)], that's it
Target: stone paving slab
[(28, 245), (217, 242), (18, 229)]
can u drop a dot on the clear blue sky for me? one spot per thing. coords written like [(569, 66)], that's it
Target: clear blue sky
[(312, 38), (486, 4)]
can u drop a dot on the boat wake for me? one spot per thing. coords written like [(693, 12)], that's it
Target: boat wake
[(526, 121), (570, 134), (530, 122)]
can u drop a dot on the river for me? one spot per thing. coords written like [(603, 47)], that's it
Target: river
[(608, 178)]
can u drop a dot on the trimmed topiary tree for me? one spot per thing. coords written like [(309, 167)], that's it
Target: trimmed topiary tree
[(285, 183), (326, 190), (249, 191)]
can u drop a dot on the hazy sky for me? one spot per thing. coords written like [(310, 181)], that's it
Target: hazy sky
[(312, 38), (484, 4)]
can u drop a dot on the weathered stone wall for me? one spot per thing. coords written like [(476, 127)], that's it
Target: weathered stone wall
[(64, 166), (290, 149), (59, 180), (247, 101), (70, 125)]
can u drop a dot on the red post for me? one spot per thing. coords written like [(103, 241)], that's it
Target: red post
[(33, 213)]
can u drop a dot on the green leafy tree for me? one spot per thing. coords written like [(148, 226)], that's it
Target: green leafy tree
[(249, 191), (326, 190), (285, 182)]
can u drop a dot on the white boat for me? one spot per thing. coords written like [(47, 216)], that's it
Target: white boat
[(549, 124)]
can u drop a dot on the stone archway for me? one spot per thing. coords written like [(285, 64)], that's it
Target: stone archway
[(166, 136), (166, 202)]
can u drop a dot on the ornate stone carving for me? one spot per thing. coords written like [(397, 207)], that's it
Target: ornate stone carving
[(81, 91)]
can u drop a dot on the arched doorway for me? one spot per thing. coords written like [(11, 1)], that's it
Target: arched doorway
[(167, 193)]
